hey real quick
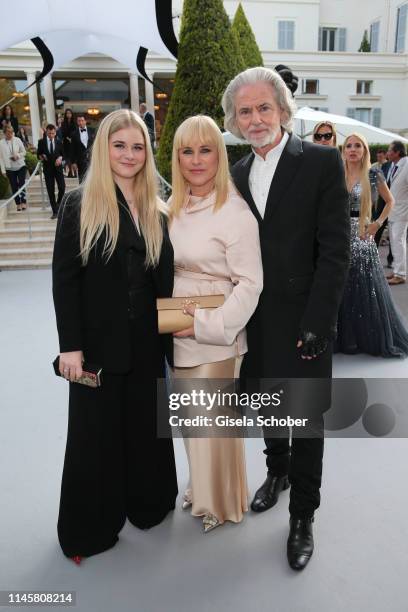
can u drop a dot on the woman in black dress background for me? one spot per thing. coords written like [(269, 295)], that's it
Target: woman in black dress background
[(368, 320), (112, 259), (68, 127)]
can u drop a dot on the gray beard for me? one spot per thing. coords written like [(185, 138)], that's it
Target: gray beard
[(267, 140)]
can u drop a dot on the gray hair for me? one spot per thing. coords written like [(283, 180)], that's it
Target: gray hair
[(249, 77)]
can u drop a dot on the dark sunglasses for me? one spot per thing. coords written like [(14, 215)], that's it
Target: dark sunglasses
[(326, 136)]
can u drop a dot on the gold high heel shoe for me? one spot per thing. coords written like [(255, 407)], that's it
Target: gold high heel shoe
[(210, 522)]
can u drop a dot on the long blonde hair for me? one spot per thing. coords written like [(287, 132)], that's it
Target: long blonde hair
[(204, 130), (365, 204), (99, 206)]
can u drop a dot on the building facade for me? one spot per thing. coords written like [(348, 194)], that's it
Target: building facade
[(318, 39)]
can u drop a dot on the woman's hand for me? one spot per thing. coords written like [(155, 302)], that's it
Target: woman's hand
[(185, 333), (189, 332), (372, 228), (70, 365)]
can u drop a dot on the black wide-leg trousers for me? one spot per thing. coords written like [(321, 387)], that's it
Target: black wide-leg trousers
[(115, 467)]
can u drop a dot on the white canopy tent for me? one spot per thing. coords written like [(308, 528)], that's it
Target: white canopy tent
[(306, 118), (92, 26)]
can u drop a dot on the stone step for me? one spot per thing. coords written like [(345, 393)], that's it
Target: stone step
[(44, 253), (25, 264), (26, 242), (35, 214), (38, 231), (23, 223)]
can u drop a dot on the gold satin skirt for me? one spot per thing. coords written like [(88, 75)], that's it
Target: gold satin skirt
[(218, 481)]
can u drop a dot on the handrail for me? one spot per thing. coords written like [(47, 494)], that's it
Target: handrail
[(163, 180), (22, 188)]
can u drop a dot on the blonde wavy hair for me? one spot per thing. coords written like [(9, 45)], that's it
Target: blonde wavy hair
[(365, 204), (204, 130), (99, 206)]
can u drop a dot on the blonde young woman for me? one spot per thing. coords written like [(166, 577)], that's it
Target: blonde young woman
[(112, 259), (368, 320), (216, 246)]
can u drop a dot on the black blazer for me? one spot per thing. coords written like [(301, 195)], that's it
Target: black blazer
[(49, 163), (149, 121), (79, 154), (92, 302), (305, 244)]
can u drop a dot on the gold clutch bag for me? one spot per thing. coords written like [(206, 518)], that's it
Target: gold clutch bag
[(170, 311)]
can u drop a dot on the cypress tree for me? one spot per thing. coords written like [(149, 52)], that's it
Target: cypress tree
[(247, 43), (208, 58), (365, 46)]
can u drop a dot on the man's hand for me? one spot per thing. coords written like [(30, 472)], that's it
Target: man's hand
[(58, 161), (311, 345), (70, 365)]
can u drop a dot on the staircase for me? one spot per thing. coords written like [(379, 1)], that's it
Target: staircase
[(17, 250)]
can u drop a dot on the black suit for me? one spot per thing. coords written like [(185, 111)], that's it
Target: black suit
[(377, 212), (305, 244), (52, 173), (149, 121), (115, 467), (81, 155)]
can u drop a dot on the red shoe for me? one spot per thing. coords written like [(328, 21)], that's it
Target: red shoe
[(77, 559)]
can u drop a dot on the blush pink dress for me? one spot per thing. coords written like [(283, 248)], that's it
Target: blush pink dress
[(216, 253)]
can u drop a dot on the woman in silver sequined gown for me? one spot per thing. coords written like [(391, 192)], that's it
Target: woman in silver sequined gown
[(368, 321)]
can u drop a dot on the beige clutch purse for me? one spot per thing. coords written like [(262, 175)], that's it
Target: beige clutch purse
[(170, 311)]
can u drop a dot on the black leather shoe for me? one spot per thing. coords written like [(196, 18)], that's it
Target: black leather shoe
[(267, 495), (300, 542)]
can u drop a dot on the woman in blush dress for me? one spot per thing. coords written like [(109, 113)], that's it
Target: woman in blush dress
[(368, 320), (216, 251)]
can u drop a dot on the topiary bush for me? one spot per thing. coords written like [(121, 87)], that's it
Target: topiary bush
[(246, 39), (208, 58), (31, 161)]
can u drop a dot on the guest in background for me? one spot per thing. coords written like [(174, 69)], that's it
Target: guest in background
[(149, 121), (398, 220), (22, 134), (324, 133), (8, 118), (381, 156), (13, 153), (68, 128), (49, 151), (368, 321), (81, 145), (384, 165)]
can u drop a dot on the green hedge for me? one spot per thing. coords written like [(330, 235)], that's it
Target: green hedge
[(31, 161), (4, 187)]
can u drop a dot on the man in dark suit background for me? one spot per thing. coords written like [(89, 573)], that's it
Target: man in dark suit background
[(81, 146), (149, 121), (384, 165), (296, 190), (49, 151)]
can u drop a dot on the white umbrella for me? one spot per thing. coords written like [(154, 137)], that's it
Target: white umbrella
[(306, 118)]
